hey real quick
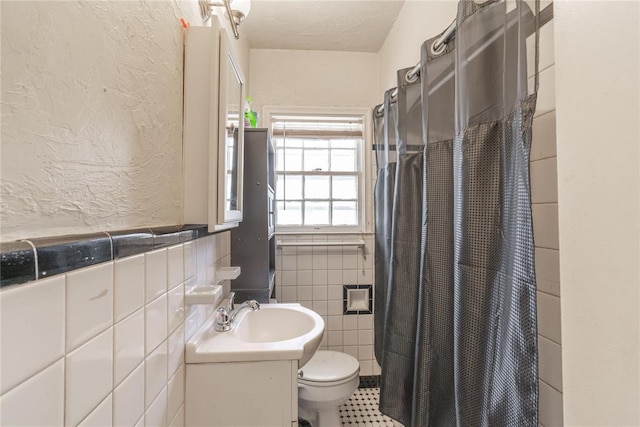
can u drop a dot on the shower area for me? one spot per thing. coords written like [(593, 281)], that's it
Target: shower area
[(455, 325)]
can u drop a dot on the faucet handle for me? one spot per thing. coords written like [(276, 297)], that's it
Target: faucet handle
[(222, 320), (230, 302)]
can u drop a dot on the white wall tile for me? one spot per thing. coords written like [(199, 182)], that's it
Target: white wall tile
[(366, 367), (155, 373), (550, 355), (128, 345), (334, 338), (335, 307), (365, 277), (547, 92), (350, 337), (89, 377), (545, 44), (156, 415), (334, 277), (320, 261), (101, 416), (350, 277), (305, 278), (548, 264), (365, 321), (175, 392), (175, 307), (350, 261), (190, 259), (550, 406), (155, 274), (287, 278), (128, 286), (175, 266), (319, 291), (128, 399), (334, 261), (543, 140), (201, 251), (178, 419), (305, 293), (289, 262), (320, 277), (320, 307), (365, 337), (549, 317), (288, 293), (155, 323), (350, 322), (334, 323), (175, 351), (544, 181), (305, 262), (39, 401), (89, 303), (32, 329), (545, 225)]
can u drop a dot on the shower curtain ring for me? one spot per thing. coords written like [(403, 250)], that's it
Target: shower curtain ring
[(411, 77)]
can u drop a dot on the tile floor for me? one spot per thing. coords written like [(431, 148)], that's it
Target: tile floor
[(362, 410)]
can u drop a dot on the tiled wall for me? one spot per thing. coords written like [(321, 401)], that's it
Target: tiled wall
[(104, 345), (544, 196), (314, 277)]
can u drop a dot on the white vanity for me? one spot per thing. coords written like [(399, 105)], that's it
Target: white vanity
[(248, 375)]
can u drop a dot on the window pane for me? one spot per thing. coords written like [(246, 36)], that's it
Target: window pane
[(289, 187), (315, 160), (316, 213), (316, 143), (289, 213), (289, 159), (343, 143), (345, 187), (316, 187), (345, 213), (344, 161)]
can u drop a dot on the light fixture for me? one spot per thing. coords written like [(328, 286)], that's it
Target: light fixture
[(236, 11)]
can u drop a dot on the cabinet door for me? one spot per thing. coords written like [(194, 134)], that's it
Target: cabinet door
[(213, 130)]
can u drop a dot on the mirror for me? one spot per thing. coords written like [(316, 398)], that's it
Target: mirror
[(230, 136)]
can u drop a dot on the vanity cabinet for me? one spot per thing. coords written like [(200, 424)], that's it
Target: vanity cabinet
[(253, 242), (242, 394)]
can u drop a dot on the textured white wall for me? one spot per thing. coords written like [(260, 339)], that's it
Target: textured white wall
[(418, 21), (92, 115), (598, 105), (313, 78)]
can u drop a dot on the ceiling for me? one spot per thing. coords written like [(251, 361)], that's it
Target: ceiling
[(344, 25)]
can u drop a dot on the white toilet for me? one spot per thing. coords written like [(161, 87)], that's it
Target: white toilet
[(325, 383)]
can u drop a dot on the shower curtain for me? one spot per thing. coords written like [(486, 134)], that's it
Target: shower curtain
[(455, 319)]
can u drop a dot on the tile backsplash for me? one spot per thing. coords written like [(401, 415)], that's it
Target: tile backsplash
[(104, 345), (315, 278)]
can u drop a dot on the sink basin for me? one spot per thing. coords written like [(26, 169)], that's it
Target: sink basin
[(275, 332)]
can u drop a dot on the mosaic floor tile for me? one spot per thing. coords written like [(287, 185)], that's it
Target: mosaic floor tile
[(362, 410)]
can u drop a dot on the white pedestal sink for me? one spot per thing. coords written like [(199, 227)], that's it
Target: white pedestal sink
[(248, 376)]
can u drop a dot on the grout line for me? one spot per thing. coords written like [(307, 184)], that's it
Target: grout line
[(543, 158), (547, 293), (550, 386)]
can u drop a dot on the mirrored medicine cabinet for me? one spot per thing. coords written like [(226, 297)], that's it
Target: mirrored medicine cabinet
[(213, 129)]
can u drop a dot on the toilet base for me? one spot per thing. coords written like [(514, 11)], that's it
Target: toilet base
[(329, 417)]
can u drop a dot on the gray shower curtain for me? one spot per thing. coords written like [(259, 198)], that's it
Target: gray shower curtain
[(455, 312)]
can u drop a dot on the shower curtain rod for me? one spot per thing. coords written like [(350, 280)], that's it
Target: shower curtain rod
[(546, 15)]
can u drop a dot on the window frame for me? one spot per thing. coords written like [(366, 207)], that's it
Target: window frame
[(364, 158)]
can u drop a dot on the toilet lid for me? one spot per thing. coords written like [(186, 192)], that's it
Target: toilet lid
[(329, 366)]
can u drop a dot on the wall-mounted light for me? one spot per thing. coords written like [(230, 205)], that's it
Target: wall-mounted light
[(236, 11)]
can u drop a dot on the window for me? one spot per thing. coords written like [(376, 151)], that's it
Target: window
[(319, 173)]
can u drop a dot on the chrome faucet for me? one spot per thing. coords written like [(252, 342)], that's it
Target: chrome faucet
[(226, 315)]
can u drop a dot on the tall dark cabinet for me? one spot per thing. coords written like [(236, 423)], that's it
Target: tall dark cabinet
[(253, 245)]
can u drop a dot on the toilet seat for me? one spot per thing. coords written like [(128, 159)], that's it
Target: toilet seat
[(329, 368)]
